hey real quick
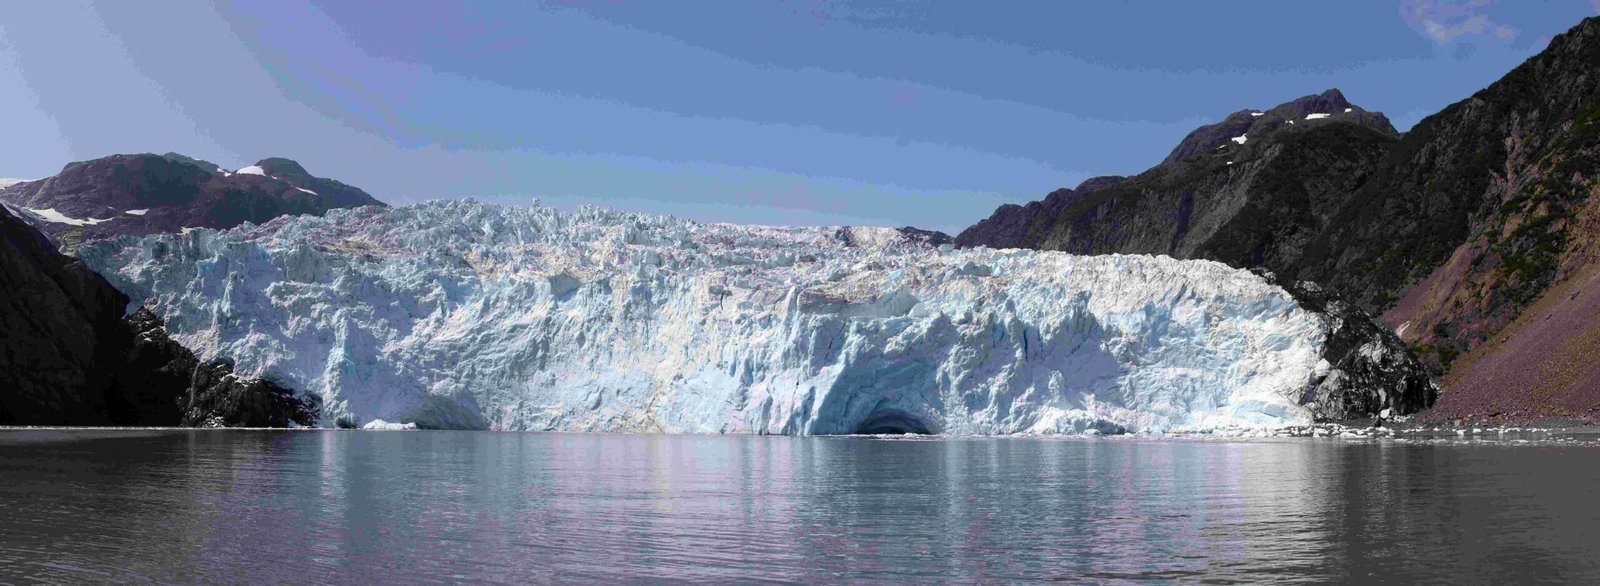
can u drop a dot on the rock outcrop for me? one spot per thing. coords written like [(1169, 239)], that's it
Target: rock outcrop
[(1374, 371)]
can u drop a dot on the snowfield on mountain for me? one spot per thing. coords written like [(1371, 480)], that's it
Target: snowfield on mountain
[(462, 314)]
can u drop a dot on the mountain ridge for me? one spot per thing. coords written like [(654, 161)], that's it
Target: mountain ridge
[(147, 193)]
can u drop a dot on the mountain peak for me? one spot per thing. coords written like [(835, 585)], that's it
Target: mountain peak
[(148, 193), (1241, 126), (285, 168), (1327, 102)]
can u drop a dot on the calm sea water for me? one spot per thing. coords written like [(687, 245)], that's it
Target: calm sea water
[(257, 506)]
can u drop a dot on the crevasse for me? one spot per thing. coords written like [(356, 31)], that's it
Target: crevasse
[(470, 315)]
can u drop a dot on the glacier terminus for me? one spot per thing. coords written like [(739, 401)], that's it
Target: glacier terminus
[(462, 314)]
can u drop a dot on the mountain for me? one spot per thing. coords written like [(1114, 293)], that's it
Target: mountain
[(1250, 191), (148, 194), (463, 314), (69, 357), (1450, 231)]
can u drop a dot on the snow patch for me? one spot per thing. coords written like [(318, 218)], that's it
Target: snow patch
[(1347, 110), (1239, 139), (381, 425), (1317, 116), (53, 216), (1257, 113), (137, 212), (252, 170), (306, 190)]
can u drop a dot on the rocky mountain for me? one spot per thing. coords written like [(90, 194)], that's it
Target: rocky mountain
[(1450, 231), (1239, 127), (69, 357), (148, 194), (1255, 198), (463, 314)]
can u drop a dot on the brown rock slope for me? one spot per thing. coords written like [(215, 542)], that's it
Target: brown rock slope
[(1545, 364)]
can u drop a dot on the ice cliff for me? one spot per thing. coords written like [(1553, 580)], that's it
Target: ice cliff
[(470, 315)]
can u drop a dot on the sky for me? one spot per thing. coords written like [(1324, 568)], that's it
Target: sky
[(786, 112)]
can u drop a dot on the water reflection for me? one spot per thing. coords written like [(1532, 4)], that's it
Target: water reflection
[(208, 506)]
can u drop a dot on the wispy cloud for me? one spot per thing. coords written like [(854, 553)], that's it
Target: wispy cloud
[(1446, 21)]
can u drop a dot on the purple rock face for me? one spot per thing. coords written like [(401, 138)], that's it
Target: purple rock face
[(146, 194)]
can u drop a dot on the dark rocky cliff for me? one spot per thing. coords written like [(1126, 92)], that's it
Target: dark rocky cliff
[(68, 356)]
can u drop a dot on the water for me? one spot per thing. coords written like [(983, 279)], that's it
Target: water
[(249, 506)]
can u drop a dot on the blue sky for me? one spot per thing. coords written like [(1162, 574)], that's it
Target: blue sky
[(776, 112)]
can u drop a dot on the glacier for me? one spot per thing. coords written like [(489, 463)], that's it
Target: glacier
[(462, 314)]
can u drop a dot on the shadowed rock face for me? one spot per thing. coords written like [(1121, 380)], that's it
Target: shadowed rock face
[(1449, 231), (147, 194), (69, 357), (63, 334)]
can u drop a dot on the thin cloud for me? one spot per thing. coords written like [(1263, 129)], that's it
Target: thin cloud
[(1445, 22)]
